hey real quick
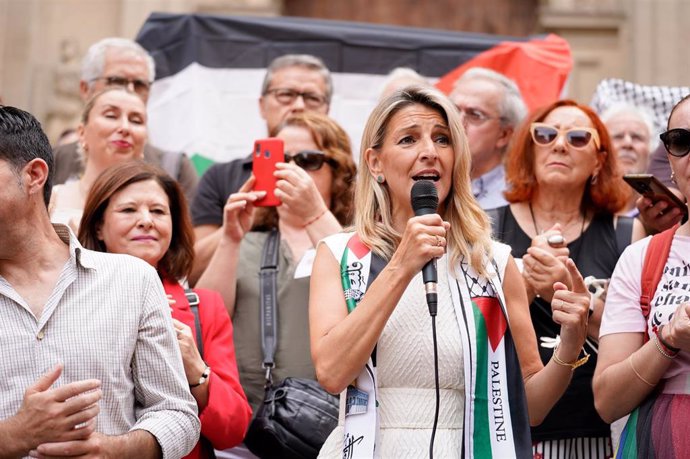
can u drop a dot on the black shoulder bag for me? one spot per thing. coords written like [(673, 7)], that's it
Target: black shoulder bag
[(297, 414)]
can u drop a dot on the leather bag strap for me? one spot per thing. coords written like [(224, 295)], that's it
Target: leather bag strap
[(268, 287), (193, 300)]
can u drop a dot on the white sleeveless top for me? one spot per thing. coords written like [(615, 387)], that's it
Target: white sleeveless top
[(405, 378)]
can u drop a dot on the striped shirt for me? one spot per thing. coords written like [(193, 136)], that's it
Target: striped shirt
[(107, 318)]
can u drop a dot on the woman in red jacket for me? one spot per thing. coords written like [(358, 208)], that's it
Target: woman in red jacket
[(139, 210)]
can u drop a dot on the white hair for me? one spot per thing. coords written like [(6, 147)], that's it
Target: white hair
[(640, 112), (512, 107), (94, 61), (400, 77)]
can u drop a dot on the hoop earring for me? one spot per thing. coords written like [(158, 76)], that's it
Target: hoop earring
[(380, 179), (593, 179)]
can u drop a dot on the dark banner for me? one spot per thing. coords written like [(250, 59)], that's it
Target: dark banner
[(176, 41)]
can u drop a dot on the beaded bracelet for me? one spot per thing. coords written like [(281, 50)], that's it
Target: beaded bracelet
[(670, 349), (662, 349)]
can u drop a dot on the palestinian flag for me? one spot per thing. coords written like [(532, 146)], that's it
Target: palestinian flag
[(498, 380), (496, 423), (209, 71)]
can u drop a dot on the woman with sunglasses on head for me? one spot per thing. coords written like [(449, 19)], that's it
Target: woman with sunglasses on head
[(315, 185), (565, 190), (644, 354), (139, 210)]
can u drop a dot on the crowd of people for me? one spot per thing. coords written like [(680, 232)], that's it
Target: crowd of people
[(146, 312)]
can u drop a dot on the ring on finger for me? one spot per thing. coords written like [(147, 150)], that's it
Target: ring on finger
[(439, 241), (555, 239)]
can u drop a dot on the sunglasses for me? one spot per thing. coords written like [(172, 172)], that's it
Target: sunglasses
[(139, 86), (309, 160), (577, 137), (676, 141)]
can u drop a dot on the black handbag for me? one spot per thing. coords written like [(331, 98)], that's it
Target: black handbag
[(297, 414)]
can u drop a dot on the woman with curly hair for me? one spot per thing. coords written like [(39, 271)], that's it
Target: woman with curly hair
[(315, 187)]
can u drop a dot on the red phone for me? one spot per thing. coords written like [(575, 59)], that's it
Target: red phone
[(267, 152)]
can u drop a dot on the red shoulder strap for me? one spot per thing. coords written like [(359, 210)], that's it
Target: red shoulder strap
[(653, 267)]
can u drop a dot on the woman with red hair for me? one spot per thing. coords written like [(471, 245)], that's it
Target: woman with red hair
[(564, 190)]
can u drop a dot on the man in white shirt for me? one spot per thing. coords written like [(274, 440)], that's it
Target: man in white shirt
[(90, 364)]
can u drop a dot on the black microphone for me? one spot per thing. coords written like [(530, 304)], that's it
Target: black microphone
[(424, 199)]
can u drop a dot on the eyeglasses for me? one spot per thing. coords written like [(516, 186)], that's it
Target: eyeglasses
[(676, 141), (577, 137), (309, 160), (141, 87), (287, 96), (474, 116)]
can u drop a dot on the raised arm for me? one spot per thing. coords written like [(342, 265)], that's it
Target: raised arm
[(207, 214), (341, 343), (544, 385), (301, 199), (221, 273)]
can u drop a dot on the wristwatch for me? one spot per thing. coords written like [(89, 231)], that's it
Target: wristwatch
[(204, 377)]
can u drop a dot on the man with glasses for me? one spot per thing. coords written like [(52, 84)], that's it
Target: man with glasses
[(293, 83), (122, 62), (491, 107)]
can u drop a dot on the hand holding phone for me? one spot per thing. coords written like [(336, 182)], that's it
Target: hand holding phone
[(267, 152), (651, 188)]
